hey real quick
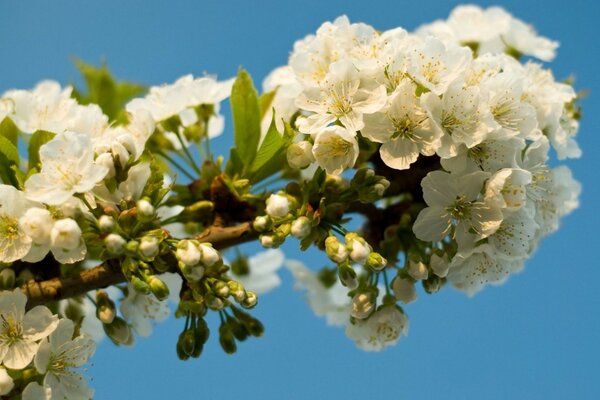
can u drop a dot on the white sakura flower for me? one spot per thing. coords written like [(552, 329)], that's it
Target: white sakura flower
[(20, 331), (262, 274), (470, 271), (382, 329), (514, 238), (6, 382), (35, 391), (417, 270), (404, 290), (503, 93), (299, 154), (283, 81), (335, 149), (439, 265), (339, 98), (490, 156), (67, 168), (66, 242), (14, 241), (403, 128), (332, 303), (454, 200), (57, 358), (471, 24), (436, 65), (506, 189), (459, 116), (47, 107)]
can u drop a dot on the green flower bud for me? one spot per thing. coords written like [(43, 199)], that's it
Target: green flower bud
[(221, 289), (158, 288), (227, 339), (118, 331), (139, 285), (129, 266), (145, 210), (335, 250), (114, 243), (376, 262), (149, 247), (105, 307), (131, 247), (240, 332), (262, 223), (106, 223), (213, 302), (7, 279), (432, 284), (348, 276), (250, 301), (237, 290)]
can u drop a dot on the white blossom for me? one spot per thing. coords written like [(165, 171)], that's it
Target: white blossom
[(335, 149), (262, 274), (382, 329), (14, 241)]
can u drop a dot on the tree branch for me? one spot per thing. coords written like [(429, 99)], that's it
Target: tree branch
[(109, 273)]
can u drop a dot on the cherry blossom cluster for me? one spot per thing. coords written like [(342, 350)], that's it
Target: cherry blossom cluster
[(466, 91)]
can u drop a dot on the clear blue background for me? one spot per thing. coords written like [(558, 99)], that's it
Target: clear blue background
[(534, 338)]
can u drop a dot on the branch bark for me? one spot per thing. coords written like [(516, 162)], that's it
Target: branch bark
[(109, 273)]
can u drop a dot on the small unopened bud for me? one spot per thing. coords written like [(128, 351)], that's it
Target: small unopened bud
[(7, 279), (262, 223), (105, 307), (359, 248), (250, 301), (432, 284), (118, 331), (149, 247), (132, 247), (145, 209), (267, 241), (187, 341), (363, 304), (417, 270), (237, 290), (114, 243), (139, 285), (106, 159), (335, 250), (376, 262), (158, 288), (106, 223), (209, 256), (188, 253), (299, 155), (226, 339), (221, 289), (65, 234), (277, 206), (301, 227), (213, 302), (347, 276), (404, 290)]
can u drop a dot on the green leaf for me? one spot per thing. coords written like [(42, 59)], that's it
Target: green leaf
[(9, 150), (38, 139), (264, 102), (246, 118), (104, 90), (271, 156), (7, 174), (9, 130)]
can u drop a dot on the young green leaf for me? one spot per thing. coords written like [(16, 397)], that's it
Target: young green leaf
[(246, 118), (264, 102), (38, 139), (9, 130)]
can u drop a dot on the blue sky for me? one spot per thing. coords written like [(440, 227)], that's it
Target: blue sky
[(536, 337)]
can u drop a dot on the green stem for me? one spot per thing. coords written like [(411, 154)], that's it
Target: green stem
[(175, 164)]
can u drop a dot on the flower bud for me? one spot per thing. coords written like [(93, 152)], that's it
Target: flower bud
[(37, 223), (439, 265), (432, 284), (105, 308), (65, 234), (300, 155), (114, 243), (277, 206), (335, 250), (106, 223), (404, 290), (376, 262), (347, 276), (149, 247), (118, 331), (363, 304), (213, 302), (188, 253), (187, 341), (417, 270), (7, 279), (221, 289), (226, 339), (262, 223), (209, 256), (140, 285), (158, 288), (301, 227), (132, 247), (237, 290), (250, 301), (359, 248), (267, 241), (145, 209)]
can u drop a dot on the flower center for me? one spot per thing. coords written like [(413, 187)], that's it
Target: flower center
[(9, 227), (460, 209)]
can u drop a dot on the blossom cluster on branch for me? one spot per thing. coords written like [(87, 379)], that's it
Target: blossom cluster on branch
[(113, 206)]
